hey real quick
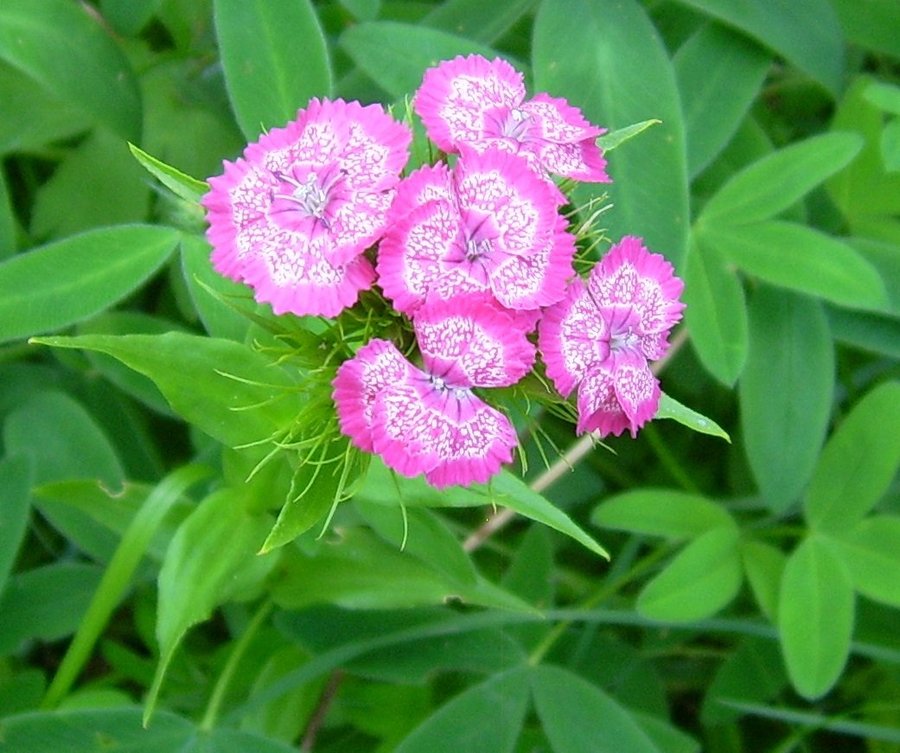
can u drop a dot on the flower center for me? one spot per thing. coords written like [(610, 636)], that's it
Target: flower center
[(301, 198), (516, 125)]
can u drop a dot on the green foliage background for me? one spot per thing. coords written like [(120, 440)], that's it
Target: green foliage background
[(175, 431)]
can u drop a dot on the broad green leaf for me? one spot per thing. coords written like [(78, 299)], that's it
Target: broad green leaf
[(763, 565), (882, 251), (664, 734), (621, 75), (719, 73), (805, 32), (65, 282), (815, 617), (7, 221), (510, 491), (670, 408), (46, 603), (865, 330), (211, 558), (884, 96), (803, 259), (701, 579), (785, 392), (771, 185), (362, 10), (477, 20), (716, 312), (858, 464), (66, 50), (120, 729), (269, 77), (487, 716), (872, 24), (395, 55), (871, 554), (15, 496), (182, 185), (672, 514), (579, 717), (234, 394)]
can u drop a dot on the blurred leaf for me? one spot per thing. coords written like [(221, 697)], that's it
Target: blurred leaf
[(764, 565), (268, 80), (890, 146), (63, 47), (883, 254), (188, 188), (362, 10), (212, 556), (699, 581), (815, 617), (477, 20), (878, 333), (672, 514), (858, 464), (45, 604), (579, 717), (785, 392), (801, 259), (666, 736), (806, 32), (872, 24), (772, 184), (395, 55), (487, 716), (670, 408), (7, 221), (65, 282), (621, 76), (719, 73), (716, 313), (128, 17), (871, 553), (15, 498), (884, 96)]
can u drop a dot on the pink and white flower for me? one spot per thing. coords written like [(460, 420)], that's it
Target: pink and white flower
[(603, 335), (471, 101), (489, 225), (293, 216)]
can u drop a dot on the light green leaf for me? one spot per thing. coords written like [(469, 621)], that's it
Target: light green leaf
[(764, 564), (68, 281), (183, 185), (701, 579), (15, 497), (487, 716), (815, 617), (661, 512), (268, 76), (66, 50), (772, 184), (612, 139), (719, 72), (716, 312), (579, 717), (801, 259), (477, 20), (858, 464), (785, 392), (872, 24), (621, 75), (806, 32), (670, 408), (871, 553), (884, 96)]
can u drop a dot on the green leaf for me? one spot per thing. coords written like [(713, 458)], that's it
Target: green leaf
[(182, 185), (699, 581), (672, 514), (128, 17), (872, 24), (772, 184), (234, 394), (871, 554), (395, 55), (719, 73), (613, 139), (801, 259), (621, 75), (68, 281), (211, 558), (510, 491), (65, 49), (877, 333), (764, 565), (858, 464), (890, 146), (477, 20), (46, 603), (384, 486), (15, 497), (785, 393), (670, 408), (267, 75), (716, 312), (8, 221), (579, 717), (815, 617), (487, 716), (806, 32)]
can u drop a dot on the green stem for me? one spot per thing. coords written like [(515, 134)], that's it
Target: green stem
[(211, 715)]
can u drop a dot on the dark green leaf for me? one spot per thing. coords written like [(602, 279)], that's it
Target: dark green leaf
[(128, 17), (764, 564), (878, 333), (872, 24), (477, 20), (8, 221), (15, 496), (661, 512)]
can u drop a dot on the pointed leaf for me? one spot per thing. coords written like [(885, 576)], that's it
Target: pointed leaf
[(670, 408), (183, 185)]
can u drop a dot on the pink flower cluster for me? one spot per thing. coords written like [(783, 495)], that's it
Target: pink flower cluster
[(476, 255)]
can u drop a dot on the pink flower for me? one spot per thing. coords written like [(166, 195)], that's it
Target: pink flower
[(601, 337), (489, 225), (470, 101), (293, 216), (430, 421)]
